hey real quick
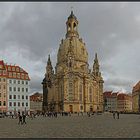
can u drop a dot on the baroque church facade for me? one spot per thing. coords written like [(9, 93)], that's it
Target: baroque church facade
[(73, 87)]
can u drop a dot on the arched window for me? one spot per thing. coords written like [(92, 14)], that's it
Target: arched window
[(70, 90), (80, 92), (69, 27), (74, 26), (90, 94), (61, 92)]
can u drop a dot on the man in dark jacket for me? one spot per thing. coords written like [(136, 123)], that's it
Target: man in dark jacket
[(24, 116), (20, 119)]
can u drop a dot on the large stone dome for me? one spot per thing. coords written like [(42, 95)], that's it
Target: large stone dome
[(72, 43), (78, 49)]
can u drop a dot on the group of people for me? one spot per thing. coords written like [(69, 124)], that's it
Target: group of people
[(22, 118), (50, 114), (114, 114)]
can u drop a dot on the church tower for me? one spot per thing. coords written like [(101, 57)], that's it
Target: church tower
[(96, 66), (73, 88), (72, 26), (47, 84), (99, 79), (49, 72)]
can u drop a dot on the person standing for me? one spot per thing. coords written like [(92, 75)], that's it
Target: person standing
[(20, 119), (78, 113), (24, 117), (118, 114), (114, 114)]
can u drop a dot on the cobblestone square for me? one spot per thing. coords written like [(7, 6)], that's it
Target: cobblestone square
[(74, 126)]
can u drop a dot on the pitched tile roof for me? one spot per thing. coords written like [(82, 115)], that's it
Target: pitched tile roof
[(13, 71)]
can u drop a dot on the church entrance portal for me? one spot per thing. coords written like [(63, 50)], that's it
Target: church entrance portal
[(70, 108), (91, 109)]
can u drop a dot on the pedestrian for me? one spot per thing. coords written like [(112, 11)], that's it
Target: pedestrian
[(20, 119), (24, 117), (118, 114), (31, 116), (88, 113), (78, 113), (114, 114), (56, 114)]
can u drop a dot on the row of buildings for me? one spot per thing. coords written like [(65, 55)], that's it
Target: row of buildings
[(115, 101), (14, 89)]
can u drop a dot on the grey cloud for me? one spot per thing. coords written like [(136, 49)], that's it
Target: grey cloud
[(36, 84), (110, 29), (117, 84)]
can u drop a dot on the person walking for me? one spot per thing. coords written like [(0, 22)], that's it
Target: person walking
[(78, 113), (24, 117), (20, 119), (114, 114), (118, 114)]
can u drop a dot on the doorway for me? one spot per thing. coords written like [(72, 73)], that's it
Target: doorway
[(70, 108), (91, 109)]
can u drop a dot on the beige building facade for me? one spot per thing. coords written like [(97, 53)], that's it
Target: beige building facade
[(36, 102), (136, 98), (73, 87), (124, 102)]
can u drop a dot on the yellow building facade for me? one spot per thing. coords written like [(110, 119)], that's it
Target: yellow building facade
[(73, 87), (136, 98)]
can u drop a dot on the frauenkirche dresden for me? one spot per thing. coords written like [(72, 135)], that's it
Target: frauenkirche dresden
[(72, 87)]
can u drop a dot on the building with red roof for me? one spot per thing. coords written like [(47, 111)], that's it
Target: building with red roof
[(3, 87), (110, 100), (115, 101), (124, 102), (15, 97), (36, 102)]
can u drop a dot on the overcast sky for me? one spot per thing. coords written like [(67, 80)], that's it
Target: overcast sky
[(30, 31)]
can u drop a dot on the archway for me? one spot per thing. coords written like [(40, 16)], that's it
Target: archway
[(70, 108)]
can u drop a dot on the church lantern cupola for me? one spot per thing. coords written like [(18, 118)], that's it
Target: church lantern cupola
[(72, 26)]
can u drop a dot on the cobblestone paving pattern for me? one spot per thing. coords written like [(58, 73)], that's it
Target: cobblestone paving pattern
[(96, 126)]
